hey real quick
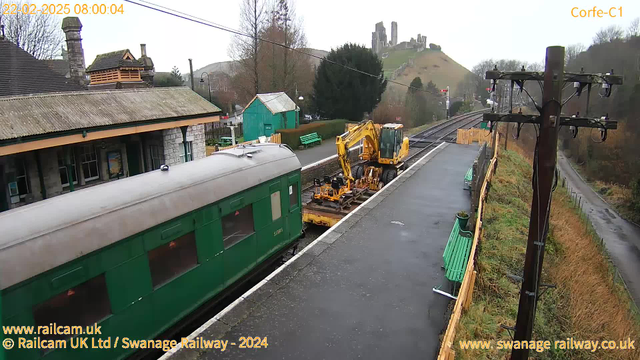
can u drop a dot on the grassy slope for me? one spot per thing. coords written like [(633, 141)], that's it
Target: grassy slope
[(618, 196), (586, 304), (428, 65)]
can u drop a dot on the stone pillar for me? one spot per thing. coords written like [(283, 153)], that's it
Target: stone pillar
[(72, 27)]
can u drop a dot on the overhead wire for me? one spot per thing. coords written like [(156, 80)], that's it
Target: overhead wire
[(189, 17)]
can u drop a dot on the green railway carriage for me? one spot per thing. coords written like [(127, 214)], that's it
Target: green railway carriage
[(137, 255)]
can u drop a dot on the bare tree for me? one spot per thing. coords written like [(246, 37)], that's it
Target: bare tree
[(608, 34), (246, 50), (634, 28), (286, 64), (572, 51), (39, 35)]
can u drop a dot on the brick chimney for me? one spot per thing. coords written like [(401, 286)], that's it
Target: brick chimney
[(72, 27), (143, 50)]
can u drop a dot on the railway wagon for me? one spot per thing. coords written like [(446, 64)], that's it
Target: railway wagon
[(136, 255)]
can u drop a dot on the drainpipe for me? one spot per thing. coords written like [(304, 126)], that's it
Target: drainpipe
[(184, 141), (43, 189)]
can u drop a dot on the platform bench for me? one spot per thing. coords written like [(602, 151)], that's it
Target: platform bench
[(456, 253), (310, 139), (468, 177)]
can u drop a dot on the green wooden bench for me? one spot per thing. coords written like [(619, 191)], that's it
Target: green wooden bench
[(456, 253), (468, 178), (310, 139)]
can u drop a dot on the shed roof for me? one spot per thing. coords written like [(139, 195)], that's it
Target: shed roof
[(276, 102), (22, 116), (113, 60), (21, 73)]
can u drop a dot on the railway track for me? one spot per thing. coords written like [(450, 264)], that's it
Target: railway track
[(441, 132)]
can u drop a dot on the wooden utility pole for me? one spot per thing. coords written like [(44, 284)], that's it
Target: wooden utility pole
[(549, 121), (544, 163)]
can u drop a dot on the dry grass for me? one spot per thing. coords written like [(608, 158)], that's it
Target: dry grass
[(587, 304), (598, 307), (430, 65)]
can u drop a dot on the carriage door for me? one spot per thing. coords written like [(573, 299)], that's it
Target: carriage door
[(294, 227)]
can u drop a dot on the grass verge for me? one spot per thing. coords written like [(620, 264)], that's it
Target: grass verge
[(587, 304), (616, 195)]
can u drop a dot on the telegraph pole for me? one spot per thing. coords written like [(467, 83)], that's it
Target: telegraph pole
[(549, 121), (543, 174)]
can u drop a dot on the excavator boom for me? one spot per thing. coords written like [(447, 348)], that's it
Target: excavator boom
[(367, 131)]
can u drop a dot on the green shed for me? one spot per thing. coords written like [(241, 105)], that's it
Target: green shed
[(267, 113)]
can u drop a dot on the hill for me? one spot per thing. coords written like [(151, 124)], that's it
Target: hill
[(227, 67), (429, 65)]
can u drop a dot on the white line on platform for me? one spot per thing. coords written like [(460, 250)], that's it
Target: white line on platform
[(230, 307)]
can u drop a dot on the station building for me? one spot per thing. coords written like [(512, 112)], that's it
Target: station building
[(63, 132)]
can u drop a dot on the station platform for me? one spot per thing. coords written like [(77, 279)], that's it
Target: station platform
[(364, 288)]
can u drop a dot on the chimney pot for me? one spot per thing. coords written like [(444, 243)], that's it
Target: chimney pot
[(143, 50)]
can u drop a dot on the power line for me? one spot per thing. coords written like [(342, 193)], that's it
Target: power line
[(189, 17)]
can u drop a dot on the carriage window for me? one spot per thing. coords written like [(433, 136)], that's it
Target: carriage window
[(276, 209), (172, 259), (237, 226), (293, 195), (83, 305)]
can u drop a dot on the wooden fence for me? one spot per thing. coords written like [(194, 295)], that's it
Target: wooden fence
[(469, 136), (274, 139), (466, 289)]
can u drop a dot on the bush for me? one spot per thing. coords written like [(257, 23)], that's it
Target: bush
[(326, 129)]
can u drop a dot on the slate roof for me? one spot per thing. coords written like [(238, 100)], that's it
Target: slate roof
[(60, 66), (21, 73), (276, 102), (113, 60), (23, 116)]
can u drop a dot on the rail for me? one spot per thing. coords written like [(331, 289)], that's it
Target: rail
[(471, 117), (466, 289)]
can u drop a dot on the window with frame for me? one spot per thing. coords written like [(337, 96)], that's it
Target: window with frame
[(293, 195), (189, 154), (276, 208), (82, 305), (62, 169), (156, 153), (237, 226), (22, 177), (173, 259), (89, 163)]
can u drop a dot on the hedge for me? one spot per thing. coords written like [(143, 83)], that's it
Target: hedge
[(327, 129)]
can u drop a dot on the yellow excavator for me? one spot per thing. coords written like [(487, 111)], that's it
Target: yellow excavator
[(383, 150)]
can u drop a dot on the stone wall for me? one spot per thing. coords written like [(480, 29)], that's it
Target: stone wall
[(174, 148)]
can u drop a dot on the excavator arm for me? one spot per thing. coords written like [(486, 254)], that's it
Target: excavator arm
[(366, 131)]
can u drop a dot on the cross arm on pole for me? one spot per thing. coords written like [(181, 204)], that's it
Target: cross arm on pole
[(583, 78), (564, 120)]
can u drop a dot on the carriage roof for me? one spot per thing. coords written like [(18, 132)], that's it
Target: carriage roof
[(41, 236)]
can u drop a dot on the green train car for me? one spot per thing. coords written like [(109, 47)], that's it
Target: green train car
[(137, 255)]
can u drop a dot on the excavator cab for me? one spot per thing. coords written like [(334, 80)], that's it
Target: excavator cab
[(391, 143)]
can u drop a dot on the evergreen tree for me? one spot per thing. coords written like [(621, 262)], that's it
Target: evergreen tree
[(343, 93), (416, 103)]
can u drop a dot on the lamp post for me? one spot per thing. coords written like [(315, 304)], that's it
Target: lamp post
[(208, 82)]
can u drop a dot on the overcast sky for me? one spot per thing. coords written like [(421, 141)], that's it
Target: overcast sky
[(468, 31)]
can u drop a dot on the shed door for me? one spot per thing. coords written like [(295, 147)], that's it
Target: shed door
[(268, 129)]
